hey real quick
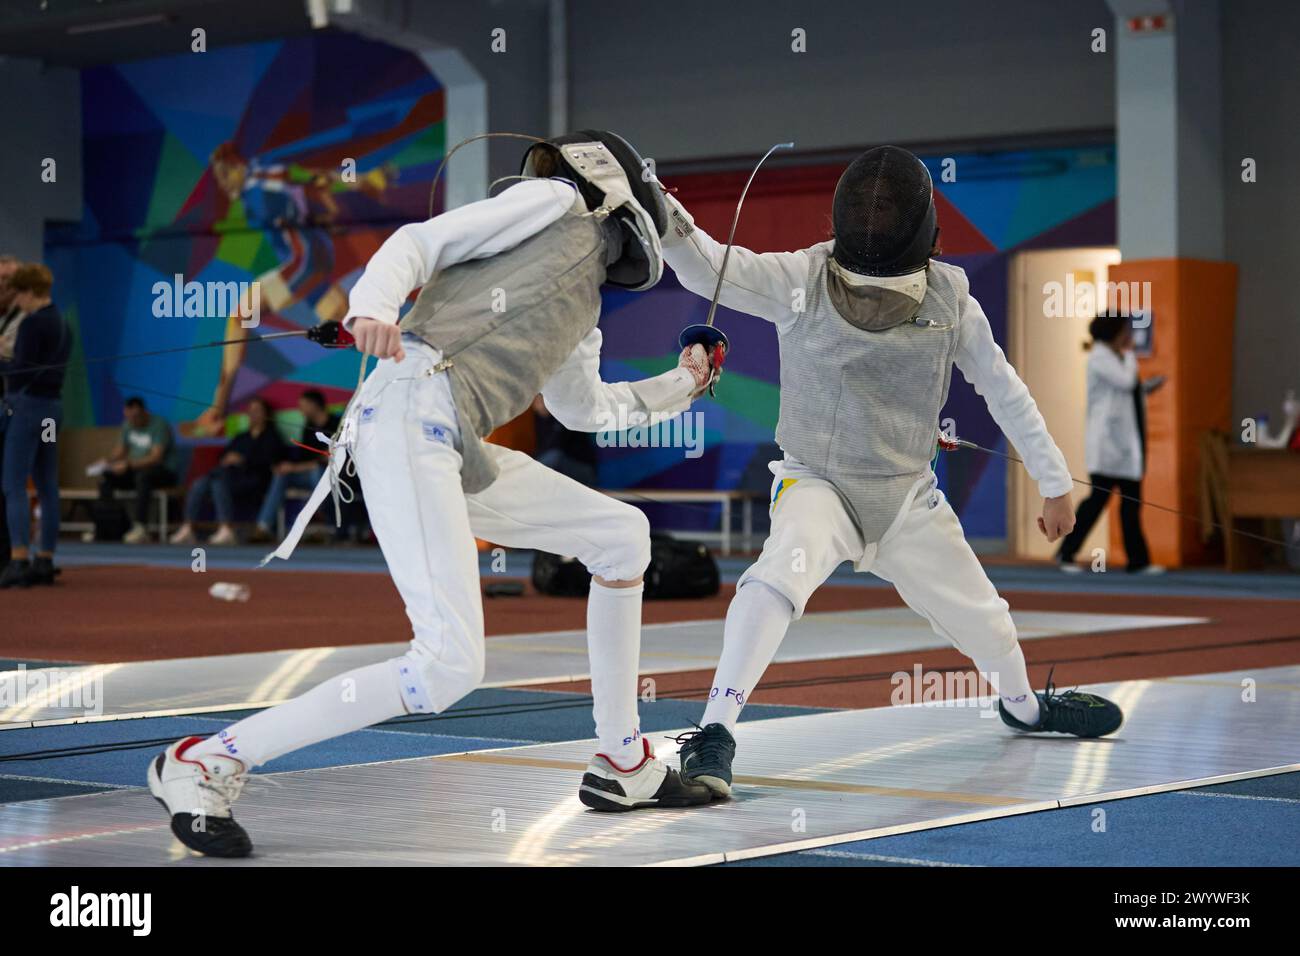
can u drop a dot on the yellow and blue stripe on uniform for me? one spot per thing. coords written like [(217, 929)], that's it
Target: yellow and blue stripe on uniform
[(781, 487)]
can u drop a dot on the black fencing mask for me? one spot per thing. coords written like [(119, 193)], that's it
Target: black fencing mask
[(609, 173), (883, 214)]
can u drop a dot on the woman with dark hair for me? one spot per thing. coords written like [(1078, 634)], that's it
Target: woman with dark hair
[(1115, 444), (33, 407), (243, 474)]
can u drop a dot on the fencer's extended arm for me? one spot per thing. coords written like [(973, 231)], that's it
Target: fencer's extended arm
[(764, 284), (581, 402), (1009, 402), (410, 256)]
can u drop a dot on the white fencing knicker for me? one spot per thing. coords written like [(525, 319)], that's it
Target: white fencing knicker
[(403, 435)]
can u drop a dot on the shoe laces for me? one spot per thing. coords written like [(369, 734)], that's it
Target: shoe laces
[(1068, 710), (222, 791), (708, 745)]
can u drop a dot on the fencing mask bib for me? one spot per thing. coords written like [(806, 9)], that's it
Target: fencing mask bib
[(885, 227), (610, 174)]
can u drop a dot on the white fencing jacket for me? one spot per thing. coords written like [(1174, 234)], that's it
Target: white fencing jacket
[(574, 394), (1113, 444), (770, 285)]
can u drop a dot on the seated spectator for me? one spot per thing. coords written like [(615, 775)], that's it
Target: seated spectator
[(34, 410), (143, 461), (300, 468), (242, 475)]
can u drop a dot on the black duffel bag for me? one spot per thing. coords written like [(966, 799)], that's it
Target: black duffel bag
[(678, 569), (559, 577)]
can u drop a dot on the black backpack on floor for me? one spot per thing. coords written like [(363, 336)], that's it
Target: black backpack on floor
[(678, 569), (559, 577)]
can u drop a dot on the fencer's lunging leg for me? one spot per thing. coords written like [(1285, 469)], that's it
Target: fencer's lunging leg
[(614, 650), (757, 620), (340, 705), (531, 506), (418, 513), (937, 575), (812, 533)]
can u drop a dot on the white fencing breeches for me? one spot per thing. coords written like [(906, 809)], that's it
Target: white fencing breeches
[(924, 555), (426, 525), (404, 447)]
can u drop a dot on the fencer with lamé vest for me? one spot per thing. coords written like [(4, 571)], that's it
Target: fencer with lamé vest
[(860, 407), (509, 301), (869, 327)]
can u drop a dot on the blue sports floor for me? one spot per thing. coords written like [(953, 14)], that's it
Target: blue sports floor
[(1246, 823)]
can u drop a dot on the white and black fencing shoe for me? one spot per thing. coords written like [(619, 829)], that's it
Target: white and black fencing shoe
[(651, 783), (197, 794)]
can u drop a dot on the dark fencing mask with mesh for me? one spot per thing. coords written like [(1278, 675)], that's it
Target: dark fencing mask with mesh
[(883, 214)]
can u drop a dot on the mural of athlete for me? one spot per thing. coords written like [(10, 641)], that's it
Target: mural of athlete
[(297, 206)]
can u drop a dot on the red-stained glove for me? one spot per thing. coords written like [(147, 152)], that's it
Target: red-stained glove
[(704, 370)]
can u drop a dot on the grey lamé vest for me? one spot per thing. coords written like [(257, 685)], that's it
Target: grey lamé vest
[(862, 408), (505, 324)]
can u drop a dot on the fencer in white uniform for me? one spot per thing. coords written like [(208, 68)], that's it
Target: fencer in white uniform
[(508, 307), (870, 327)]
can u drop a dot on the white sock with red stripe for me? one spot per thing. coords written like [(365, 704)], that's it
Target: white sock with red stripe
[(756, 624), (351, 701), (614, 649)]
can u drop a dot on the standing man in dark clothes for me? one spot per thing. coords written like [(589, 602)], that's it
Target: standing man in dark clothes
[(144, 460), (9, 316), (301, 467), (244, 472), (34, 407)]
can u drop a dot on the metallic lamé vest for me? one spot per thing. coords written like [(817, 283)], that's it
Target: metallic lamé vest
[(861, 408), (504, 324)]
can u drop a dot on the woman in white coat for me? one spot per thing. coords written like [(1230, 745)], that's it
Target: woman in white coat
[(1115, 442)]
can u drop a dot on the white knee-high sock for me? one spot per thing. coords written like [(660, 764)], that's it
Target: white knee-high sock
[(756, 623), (614, 649), (351, 701), (1010, 678)]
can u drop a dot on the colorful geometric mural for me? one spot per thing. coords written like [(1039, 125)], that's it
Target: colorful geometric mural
[(229, 167), (286, 162)]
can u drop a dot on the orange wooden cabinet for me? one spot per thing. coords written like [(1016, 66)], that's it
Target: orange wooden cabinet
[(1193, 310)]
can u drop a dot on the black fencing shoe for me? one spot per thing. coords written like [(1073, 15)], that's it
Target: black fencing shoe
[(1084, 715), (706, 754), (197, 793), (17, 574), (651, 783)]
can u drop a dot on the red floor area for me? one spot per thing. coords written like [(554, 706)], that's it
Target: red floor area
[(105, 614), (1238, 634)]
